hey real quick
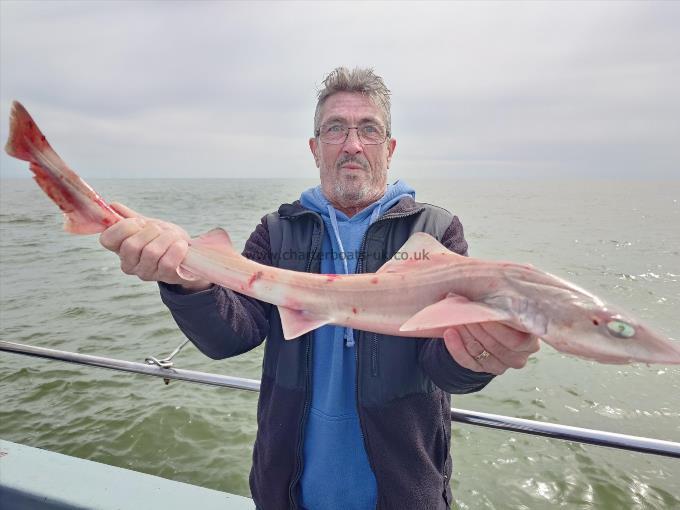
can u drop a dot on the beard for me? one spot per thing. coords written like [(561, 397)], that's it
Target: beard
[(351, 188)]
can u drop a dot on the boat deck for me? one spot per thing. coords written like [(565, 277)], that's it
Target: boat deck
[(31, 478)]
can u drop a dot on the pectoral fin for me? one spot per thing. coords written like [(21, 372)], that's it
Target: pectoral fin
[(453, 310), (298, 322)]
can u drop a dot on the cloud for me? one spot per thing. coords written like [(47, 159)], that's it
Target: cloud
[(226, 89)]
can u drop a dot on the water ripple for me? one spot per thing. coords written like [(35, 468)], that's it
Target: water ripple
[(65, 292)]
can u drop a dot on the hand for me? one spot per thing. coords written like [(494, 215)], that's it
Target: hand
[(148, 248), (506, 346)]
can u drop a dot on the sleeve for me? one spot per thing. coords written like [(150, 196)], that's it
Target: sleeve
[(221, 322), (434, 358)]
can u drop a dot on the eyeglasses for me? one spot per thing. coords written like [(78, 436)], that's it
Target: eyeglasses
[(336, 134)]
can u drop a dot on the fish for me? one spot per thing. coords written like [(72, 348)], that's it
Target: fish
[(422, 291)]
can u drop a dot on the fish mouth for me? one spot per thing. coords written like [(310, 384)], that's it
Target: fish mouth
[(670, 355), (649, 350), (658, 348)]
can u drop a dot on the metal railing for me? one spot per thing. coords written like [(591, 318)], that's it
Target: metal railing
[(165, 370)]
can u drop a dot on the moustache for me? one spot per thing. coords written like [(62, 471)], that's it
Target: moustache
[(362, 162)]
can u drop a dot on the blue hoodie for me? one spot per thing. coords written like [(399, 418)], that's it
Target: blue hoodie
[(336, 471)]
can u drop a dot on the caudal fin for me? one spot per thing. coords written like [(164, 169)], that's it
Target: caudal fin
[(25, 138), (85, 211)]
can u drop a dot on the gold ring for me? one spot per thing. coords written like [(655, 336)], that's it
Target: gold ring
[(483, 355)]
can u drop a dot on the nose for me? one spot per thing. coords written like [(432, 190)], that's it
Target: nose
[(352, 143)]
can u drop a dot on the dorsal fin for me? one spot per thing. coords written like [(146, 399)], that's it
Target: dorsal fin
[(216, 239), (421, 250)]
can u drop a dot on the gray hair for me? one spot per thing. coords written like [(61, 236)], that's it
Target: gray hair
[(361, 80)]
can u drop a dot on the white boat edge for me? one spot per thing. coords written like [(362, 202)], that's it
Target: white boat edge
[(40, 479)]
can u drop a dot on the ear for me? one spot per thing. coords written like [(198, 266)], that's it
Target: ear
[(314, 146), (391, 145)]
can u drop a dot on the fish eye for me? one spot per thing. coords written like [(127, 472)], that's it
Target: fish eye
[(621, 329)]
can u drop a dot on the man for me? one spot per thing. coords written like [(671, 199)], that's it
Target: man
[(346, 419)]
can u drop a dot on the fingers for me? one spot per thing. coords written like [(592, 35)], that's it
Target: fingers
[(124, 210), (160, 258), (475, 346), (463, 348), (148, 248), (510, 338), (113, 237), (132, 247), (168, 264), (493, 345), (454, 344), (506, 347)]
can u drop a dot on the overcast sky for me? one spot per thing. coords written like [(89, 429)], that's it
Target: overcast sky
[(226, 89)]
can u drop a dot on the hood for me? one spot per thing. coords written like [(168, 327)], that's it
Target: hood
[(314, 200)]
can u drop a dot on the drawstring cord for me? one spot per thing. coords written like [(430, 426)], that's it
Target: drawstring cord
[(349, 332)]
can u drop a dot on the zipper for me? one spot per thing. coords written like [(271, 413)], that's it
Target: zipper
[(447, 441), (374, 355), (303, 419), (308, 383), (360, 269), (361, 423)]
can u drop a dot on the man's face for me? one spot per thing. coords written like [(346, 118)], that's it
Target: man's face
[(352, 174)]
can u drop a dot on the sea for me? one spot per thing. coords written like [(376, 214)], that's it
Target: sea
[(618, 239)]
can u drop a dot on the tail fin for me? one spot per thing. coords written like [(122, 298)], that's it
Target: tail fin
[(86, 212), (25, 138)]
